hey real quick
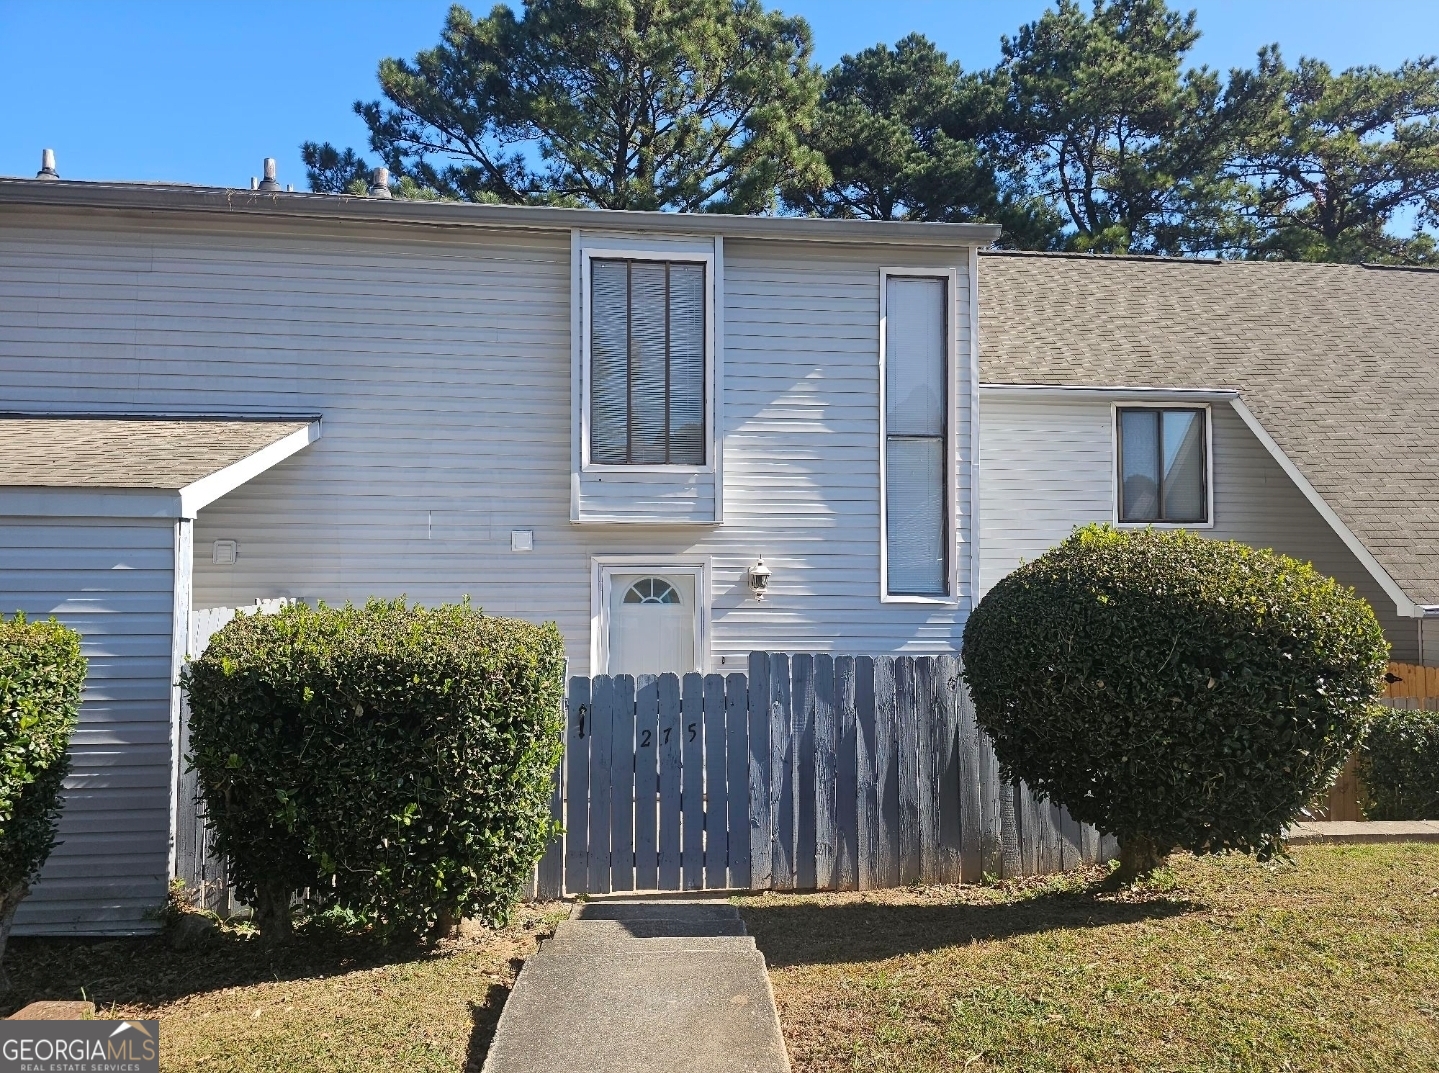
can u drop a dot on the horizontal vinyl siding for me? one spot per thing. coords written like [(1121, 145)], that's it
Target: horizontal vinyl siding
[(1048, 466), (111, 581), (441, 364)]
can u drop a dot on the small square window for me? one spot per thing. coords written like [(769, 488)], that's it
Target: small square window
[(1163, 464)]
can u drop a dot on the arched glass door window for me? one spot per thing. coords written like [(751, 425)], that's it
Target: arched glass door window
[(652, 590)]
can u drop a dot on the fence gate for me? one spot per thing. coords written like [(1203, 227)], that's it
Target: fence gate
[(807, 773)]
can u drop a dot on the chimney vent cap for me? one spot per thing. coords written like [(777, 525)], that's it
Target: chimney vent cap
[(47, 165)]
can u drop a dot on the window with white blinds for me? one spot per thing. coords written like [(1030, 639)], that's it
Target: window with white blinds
[(647, 362), (916, 434)]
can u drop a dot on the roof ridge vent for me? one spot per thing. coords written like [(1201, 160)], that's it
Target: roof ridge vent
[(47, 165), (380, 183), (269, 182)]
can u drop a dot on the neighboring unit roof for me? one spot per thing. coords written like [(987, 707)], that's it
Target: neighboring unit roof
[(1339, 363), (169, 453), (230, 202)]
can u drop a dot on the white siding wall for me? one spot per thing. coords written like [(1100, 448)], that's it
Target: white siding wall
[(1048, 466), (112, 582), (441, 364)]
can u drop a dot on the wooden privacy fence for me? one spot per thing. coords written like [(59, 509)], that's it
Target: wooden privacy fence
[(807, 773)]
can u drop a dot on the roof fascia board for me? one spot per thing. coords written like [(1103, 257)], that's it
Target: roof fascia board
[(208, 489), (1087, 391), (1402, 604), (137, 503), (350, 209)]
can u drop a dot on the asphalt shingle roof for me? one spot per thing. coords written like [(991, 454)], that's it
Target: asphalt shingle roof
[(118, 452), (1339, 363)]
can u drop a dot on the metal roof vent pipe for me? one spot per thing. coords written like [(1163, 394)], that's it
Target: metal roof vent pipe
[(380, 183), (47, 165), (268, 182)]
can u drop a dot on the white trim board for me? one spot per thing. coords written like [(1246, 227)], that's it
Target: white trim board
[(603, 566), (1404, 606), (951, 436), (208, 489), (1062, 391)]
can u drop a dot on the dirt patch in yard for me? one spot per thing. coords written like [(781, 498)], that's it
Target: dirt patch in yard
[(1330, 962), (324, 1002)]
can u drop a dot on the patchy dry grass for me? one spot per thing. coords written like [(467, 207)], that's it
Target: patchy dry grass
[(1327, 963), (321, 1003)]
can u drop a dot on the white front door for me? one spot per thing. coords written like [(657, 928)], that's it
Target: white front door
[(652, 623)]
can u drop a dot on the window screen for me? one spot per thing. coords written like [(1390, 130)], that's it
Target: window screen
[(647, 362), (1162, 466), (916, 434)]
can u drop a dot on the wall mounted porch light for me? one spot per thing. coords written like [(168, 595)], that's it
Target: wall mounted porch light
[(759, 580)]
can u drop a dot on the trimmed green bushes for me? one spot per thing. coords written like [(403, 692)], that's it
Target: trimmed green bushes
[(41, 676), (1399, 765), (1176, 691), (393, 760)]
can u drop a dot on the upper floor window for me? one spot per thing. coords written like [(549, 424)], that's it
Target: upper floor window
[(916, 470), (647, 362), (1163, 467)]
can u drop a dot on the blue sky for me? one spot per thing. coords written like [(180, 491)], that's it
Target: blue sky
[(201, 91)]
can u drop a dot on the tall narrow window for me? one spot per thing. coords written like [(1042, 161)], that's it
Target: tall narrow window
[(1162, 464), (916, 361), (647, 363)]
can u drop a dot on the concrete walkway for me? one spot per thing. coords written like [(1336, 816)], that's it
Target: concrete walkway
[(1364, 831), (642, 986)]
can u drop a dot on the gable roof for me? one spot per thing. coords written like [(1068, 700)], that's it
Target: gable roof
[(1338, 363)]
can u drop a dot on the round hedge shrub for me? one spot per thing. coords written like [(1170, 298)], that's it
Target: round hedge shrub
[(393, 760), (1399, 765), (1175, 691), (42, 674)]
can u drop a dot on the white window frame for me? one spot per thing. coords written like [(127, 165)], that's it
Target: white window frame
[(659, 253), (1117, 491), (602, 570), (951, 437)]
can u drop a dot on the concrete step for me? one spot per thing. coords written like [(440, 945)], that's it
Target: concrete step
[(650, 928), (654, 910), (660, 945), (697, 1012)]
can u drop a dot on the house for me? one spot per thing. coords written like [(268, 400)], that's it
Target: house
[(682, 438), (1287, 406), (668, 434)]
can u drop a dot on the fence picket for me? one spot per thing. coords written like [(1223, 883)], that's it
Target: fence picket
[(550, 876), (847, 761), (825, 775), (761, 814), (692, 775), (944, 732), (802, 672), (622, 785), (990, 851), (929, 766), (716, 803), (971, 816), (647, 782), (782, 772), (1028, 822), (737, 777), (869, 833), (906, 721), (577, 787), (1069, 840), (601, 718), (669, 731), (886, 772)]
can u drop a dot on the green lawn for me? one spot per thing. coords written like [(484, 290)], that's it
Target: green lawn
[(323, 1003), (1327, 963)]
